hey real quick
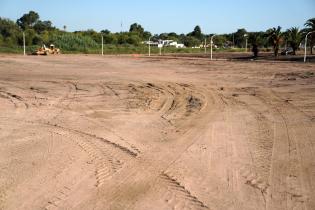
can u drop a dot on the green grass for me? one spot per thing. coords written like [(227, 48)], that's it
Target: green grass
[(75, 46), (17, 49)]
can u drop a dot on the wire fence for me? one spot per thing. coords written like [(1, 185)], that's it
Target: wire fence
[(72, 44)]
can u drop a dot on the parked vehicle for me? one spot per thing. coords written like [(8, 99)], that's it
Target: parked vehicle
[(287, 51)]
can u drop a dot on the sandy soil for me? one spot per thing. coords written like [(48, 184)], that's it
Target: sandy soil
[(92, 132)]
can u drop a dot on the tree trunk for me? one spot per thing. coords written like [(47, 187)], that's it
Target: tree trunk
[(276, 49), (294, 50)]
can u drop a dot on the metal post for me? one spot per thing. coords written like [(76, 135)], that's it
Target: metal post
[(246, 37), (205, 46), (102, 45), (233, 41), (211, 43), (150, 46), (24, 42), (305, 44)]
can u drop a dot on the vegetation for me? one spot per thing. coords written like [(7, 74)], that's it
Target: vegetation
[(310, 27), (294, 38), (38, 32), (275, 38)]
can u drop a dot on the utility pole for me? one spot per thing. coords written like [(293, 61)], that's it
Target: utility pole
[(306, 44), (24, 42), (211, 43)]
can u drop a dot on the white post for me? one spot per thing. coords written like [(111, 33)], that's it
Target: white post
[(150, 46), (233, 41), (211, 43), (305, 44), (246, 37), (24, 42), (102, 45), (160, 50), (205, 46)]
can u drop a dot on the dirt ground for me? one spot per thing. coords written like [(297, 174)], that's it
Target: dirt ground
[(92, 132)]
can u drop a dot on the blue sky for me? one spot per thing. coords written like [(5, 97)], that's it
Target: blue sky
[(178, 16)]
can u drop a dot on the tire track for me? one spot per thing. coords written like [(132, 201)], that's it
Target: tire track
[(283, 179), (115, 145), (105, 163), (177, 196), (255, 148), (61, 196), (69, 95), (298, 188), (13, 97), (108, 158)]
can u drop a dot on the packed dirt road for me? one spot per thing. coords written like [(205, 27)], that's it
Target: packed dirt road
[(92, 132)]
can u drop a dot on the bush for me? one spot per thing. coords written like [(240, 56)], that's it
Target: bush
[(73, 42)]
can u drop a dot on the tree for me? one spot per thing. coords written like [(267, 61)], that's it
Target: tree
[(294, 38), (257, 38), (28, 20), (196, 33), (122, 38), (253, 39), (310, 26), (239, 38), (133, 39), (110, 38), (30, 34), (163, 36), (136, 28), (190, 41), (41, 26), (106, 31), (220, 40), (8, 28), (275, 38), (9, 32), (146, 35)]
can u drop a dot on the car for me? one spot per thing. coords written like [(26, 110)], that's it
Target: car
[(287, 51)]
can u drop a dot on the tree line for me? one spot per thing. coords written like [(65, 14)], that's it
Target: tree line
[(38, 32)]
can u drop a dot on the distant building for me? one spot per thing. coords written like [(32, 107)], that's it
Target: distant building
[(164, 43)]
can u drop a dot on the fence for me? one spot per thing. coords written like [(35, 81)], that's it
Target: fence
[(73, 43)]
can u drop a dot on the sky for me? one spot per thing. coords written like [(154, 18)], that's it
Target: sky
[(179, 16)]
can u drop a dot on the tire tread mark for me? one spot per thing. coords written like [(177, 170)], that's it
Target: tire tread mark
[(175, 187)]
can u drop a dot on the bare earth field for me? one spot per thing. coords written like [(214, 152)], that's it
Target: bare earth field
[(92, 132)]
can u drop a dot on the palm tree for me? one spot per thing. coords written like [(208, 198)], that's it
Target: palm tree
[(294, 38), (275, 37), (310, 26), (255, 40)]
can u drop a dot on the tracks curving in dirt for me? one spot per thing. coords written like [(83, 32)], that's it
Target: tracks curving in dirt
[(92, 132)]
